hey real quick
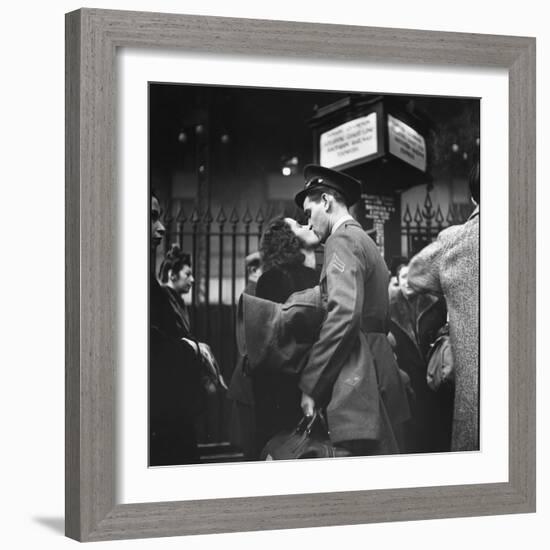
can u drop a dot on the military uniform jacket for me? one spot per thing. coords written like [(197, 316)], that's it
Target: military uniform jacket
[(351, 368)]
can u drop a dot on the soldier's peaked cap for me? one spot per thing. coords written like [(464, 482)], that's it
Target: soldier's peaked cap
[(318, 176)]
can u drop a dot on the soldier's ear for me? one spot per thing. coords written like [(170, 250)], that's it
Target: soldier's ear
[(325, 197)]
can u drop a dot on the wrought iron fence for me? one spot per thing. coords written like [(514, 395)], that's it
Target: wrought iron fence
[(218, 246), (422, 227)]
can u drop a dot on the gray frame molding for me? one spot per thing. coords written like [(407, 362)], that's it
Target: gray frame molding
[(92, 38)]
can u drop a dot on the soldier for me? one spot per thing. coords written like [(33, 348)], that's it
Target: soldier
[(351, 369)]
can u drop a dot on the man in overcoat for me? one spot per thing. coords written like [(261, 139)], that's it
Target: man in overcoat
[(450, 266), (351, 369)]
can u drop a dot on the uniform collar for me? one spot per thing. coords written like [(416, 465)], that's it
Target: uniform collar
[(343, 219)]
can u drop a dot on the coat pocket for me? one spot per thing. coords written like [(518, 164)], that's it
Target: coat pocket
[(354, 409)]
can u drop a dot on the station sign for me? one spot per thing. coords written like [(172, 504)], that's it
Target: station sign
[(406, 143), (349, 142)]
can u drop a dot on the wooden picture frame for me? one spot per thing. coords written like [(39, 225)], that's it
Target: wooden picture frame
[(92, 39)]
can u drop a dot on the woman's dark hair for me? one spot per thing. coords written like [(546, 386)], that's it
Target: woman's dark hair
[(474, 182), (279, 246), (174, 260)]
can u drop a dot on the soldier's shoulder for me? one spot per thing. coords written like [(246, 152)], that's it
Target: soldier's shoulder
[(345, 236), (352, 239), (350, 229)]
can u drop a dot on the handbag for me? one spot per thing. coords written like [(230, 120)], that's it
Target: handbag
[(308, 440), (440, 368)]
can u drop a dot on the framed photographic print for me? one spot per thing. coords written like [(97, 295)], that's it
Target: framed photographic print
[(186, 135)]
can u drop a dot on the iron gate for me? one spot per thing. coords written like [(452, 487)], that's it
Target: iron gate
[(424, 226)]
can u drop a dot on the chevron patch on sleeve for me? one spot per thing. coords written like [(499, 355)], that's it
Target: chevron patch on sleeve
[(337, 263)]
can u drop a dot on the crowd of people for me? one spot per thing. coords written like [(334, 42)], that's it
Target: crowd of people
[(391, 365)]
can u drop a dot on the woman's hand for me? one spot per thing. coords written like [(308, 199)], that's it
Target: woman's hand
[(214, 371)]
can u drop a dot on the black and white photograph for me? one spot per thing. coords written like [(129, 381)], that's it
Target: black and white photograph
[(250, 300), (314, 274)]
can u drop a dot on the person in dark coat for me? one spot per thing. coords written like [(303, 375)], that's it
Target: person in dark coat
[(415, 322), (288, 263), (174, 372), (351, 369), (450, 267), (176, 276)]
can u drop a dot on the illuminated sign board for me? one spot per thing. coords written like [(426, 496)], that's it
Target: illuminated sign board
[(406, 143), (349, 142)]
